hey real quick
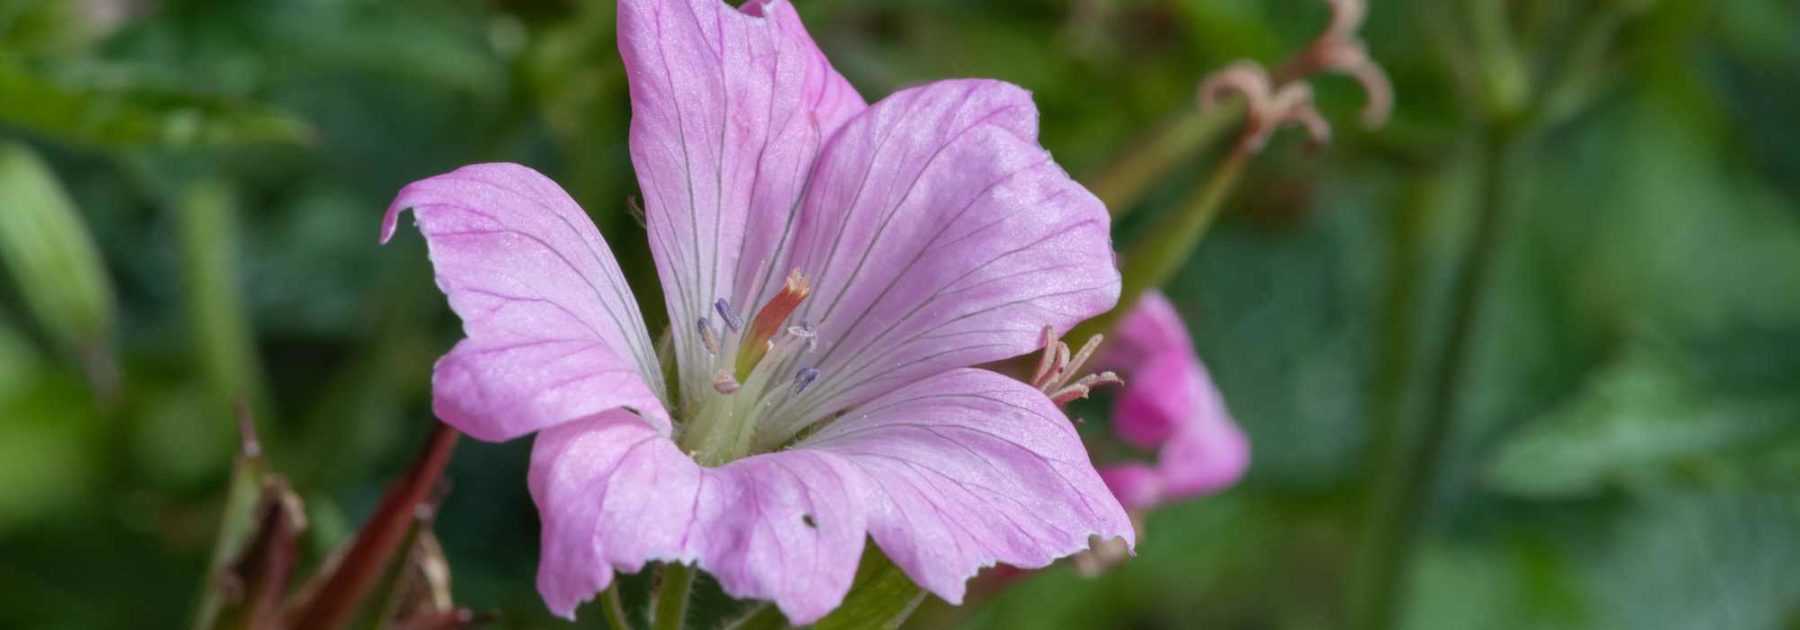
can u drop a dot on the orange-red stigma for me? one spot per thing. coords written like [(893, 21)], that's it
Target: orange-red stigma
[(768, 322)]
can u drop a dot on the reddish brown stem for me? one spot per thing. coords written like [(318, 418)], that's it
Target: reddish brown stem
[(268, 564), (336, 600)]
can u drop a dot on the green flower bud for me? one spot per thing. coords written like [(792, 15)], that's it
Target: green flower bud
[(52, 257)]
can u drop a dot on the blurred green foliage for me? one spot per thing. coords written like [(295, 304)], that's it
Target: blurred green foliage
[(52, 257), (191, 190)]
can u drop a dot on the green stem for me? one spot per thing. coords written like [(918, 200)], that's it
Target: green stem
[(1388, 396), (762, 616), (1569, 91), (243, 494), (208, 232), (614, 608), (1154, 259), (1402, 495), (1505, 77), (1123, 182), (674, 583)]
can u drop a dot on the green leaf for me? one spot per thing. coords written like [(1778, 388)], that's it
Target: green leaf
[(52, 257), (1495, 586), (1641, 420), (880, 597), (40, 26), (1700, 560), (51, 437), (121, 112)]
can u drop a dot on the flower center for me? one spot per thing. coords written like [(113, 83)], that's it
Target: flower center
[(753, 369)]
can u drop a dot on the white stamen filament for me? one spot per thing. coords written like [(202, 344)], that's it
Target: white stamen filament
[(1055, 374), (726, 423)]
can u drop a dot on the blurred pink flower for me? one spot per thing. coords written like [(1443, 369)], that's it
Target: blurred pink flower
[(833, 270), (1169, 405)]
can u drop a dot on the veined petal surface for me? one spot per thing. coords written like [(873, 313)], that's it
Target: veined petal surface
[(940, 235), (969, 469), (614, 494), (554, 333), (729, 109), (950, 475)]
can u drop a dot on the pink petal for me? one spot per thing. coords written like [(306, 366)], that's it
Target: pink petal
[(1206, 452), (969, 468), (1170, 405), (1136, 485), (553, 331), (729, 110), (572, 469), (940, 235), (954, 473), (1160, 396), (1206, 458), (614, 493), (1151, 326), (787, 527)]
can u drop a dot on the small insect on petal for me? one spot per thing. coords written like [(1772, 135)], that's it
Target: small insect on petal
[(805, 378), (1086, 352)]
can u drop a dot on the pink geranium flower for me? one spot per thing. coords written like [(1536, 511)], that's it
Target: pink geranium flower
[(1170, 406), (833, 270)]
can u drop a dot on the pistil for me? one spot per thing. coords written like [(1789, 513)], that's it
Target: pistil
[(760, 337), (756, 364)]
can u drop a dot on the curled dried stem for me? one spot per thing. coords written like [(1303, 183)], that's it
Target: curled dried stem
[(1268, 107), (1339, 50)]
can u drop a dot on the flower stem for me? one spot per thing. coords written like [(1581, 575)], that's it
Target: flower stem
[(1123, 182), (674, 583), (614, 608), (1582, 71), (761, 616), (1402, 495), (1398, 342), (1170, 242), (341, 591)]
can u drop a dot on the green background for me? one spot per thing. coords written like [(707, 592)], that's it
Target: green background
[(190, 191)]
